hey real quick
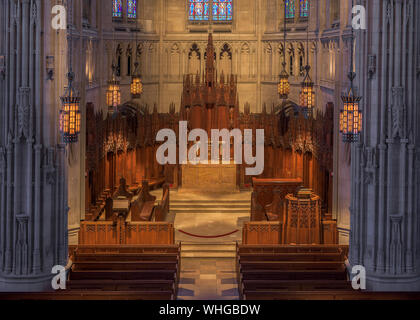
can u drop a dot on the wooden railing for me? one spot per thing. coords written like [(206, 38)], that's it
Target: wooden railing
[(262, 232), (110, 233)]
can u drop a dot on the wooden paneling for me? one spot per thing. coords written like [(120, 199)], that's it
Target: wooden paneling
[(302, 220), (109, 233), (150, 233), (261, 233), (264, 194)]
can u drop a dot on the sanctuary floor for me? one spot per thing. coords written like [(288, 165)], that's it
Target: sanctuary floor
[(208, 264)]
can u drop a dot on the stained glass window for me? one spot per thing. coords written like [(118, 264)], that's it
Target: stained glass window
[(199, 10), (290, 9), (117, 8), (222, 10), (132, 9), (304, 8)]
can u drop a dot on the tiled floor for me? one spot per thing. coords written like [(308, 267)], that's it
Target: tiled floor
[(208, 279)]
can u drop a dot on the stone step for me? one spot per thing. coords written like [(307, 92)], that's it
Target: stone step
[(208, 250)]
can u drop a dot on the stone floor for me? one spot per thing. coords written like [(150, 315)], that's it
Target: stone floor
[(208, 214), (208, 279), (212, 274)]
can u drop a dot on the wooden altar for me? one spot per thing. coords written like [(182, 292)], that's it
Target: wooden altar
[(209, 178)]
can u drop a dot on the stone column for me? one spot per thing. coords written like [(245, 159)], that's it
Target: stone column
[(33, 190), (384, 235)]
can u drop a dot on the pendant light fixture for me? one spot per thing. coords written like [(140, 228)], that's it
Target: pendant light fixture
[(351, 116), (284, 85), (136, 87), (113, 94), (70, 116), (307, 92)]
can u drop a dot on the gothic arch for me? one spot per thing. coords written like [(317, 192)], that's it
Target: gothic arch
[(225, 58), (291, 59), (194, 59), (118, 60), (301, 58)]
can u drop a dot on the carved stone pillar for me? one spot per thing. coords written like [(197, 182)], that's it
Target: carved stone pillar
[(384, 235), (33, 175)]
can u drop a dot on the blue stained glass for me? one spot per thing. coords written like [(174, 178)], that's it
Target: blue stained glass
[(199, 10), (222, 10), (304, 8), (117, 8), (290, 9), (132, 9)]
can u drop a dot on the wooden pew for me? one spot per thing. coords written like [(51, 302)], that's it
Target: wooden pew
[(138, 268), (291, 265), (292, 256), (330, 295), (142, 207), (288, 248), (161, 211), (127, 257), (124, 265), (290, 268), (122, 285), (122, 274), (90, 295), (264, 274), (296, 285), (128, 249)]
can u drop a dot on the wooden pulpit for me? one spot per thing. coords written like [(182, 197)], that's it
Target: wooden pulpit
[(302, 219)]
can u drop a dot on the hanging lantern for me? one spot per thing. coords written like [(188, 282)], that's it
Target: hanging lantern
[(136, 87), (70, 115), (113, 94), (307, 94), (284, 85), (351, 117)]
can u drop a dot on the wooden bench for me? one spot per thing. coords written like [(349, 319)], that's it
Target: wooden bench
[(296, 285), (122, 274), (126, 257), (291, 265), (124, 265), (264, 269), (128, 249), (122, 285), (287, 248), (138, 268), (142, 207), (91, 295), (264, 274), (329, 295), (293, 256)]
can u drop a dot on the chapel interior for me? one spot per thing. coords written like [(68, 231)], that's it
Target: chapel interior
[(82, 186)]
